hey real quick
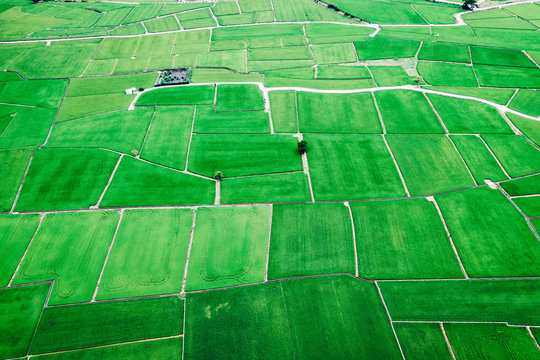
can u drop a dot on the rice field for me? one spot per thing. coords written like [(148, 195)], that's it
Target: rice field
[(269, 179)]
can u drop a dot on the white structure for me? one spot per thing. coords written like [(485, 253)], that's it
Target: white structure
[(131, 91)]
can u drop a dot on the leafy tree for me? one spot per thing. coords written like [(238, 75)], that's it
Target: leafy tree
[(469, 4), (302, 146)]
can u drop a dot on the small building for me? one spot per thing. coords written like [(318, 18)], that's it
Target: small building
[(131, 91)]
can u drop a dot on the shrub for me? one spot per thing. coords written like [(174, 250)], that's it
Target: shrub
[(218, 175)]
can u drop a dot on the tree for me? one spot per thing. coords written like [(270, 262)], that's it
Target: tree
[(469, 5), (218, 175), (302, 147)]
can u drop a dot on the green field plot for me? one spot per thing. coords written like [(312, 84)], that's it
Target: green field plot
[(76, 107), (307, 73), (143, 12), (59, 61), (27, 126), (527, 102), (405, 111), (16, 232), (310, 239), (496, 95), (45, 93), (237, 155), (507, 76), (233, 60), (221, 45), (122, 131), (89, 325), (280, 53), (373, 11), (390, 75), (502, 57), (208, 121), (334, 53), (305, 10), (348, 167), (148, 254), (130, 65), (244, 32), (529, 127), (429, 163), (138, 183), (168, 23), (516, 155), (478, 158), (21, 309), (444, 52), (447, 74), (490, 341), (529, 205), (512, 301), (510, 23), (283, 108), (178, 95), (233, 97), (229, 247), (114, 15), (66, 179), (186, 41), (491, 236), (156, 349), (222, 75), (333, 113), (100, 67), (173, 8), (341, 317), (321, 33), (274, 188), (342, 72), (415, 246), (409, 33), (524, 186), (385, 48), (109, 84), (273, 42), (422, 341), (456, 115), (262, 66), (115, 48), (254, 5), (438, 14), (168, 138), (69, 248), (256, 312), (13, 164), (228, 20), (225, 8)]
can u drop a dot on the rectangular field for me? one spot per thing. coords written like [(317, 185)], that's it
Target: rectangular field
[(69, 248), (415, 246), (148, 254), (88, 325), (490, 235), (310, 239), (337, 113), (229, 247), (349, 167), (429, 163)]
